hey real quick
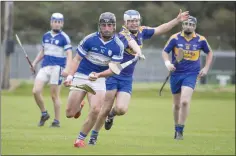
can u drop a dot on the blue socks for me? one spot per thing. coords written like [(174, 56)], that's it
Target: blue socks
[(44, 113), (179, 128), (82, 136), (94, 134)]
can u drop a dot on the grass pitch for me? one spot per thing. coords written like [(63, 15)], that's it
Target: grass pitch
[(146, 129)]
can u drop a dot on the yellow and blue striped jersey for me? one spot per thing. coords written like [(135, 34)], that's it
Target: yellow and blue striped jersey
[(125, 36), (192, 48)]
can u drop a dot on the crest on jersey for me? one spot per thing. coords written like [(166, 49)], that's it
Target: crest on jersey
[(109, 52), (57, 41), (187, 46)]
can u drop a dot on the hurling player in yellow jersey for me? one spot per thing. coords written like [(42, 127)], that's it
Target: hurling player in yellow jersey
[(184, 74)]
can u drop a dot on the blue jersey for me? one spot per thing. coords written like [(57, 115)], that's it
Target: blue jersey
[(54, 47), (97, 54), (125, 36), (192, 48)]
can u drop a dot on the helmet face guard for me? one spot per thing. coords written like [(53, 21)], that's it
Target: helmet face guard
[(189, 26), (132, 20), (107, 25), (57, 22)]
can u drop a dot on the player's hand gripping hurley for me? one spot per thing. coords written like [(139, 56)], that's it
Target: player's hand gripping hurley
[(26, 56), (179, 57)]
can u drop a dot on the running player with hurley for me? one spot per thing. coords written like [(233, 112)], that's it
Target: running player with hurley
[(56, 54), (90, 67), (185, 73)]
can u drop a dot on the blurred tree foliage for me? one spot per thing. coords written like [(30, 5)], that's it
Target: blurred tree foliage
[(216, 20)]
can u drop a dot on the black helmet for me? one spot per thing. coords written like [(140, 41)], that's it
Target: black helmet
[(107, 18)]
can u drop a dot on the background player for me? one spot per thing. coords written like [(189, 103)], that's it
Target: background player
[(120, 86), (56, 51), (91, 63), (184, 75)]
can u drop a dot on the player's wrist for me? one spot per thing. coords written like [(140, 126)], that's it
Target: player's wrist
[(206, 67), (167, 63)]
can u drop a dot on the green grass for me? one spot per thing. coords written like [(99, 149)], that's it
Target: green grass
[(146, 129)]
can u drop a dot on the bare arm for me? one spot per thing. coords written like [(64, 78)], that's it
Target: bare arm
[(68, 59), (136, 48), (165, 56), (107, 72), (168, 26), (74, 64), (209, 58), (168, 64), (38, 57)]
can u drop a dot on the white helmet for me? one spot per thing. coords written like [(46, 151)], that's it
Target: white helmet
[(132, 15), (57, 16)]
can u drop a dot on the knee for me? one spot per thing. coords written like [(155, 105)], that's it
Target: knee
[(184, 103), (95, 110), (177, 106), (36, 91), (121, 110)]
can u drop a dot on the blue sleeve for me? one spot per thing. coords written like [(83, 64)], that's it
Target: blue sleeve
[(83, 47), (42, 44), (67, 42), (170, 44), (205, 46), (147, 33), (118, 54)]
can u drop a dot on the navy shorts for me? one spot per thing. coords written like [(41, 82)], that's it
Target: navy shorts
[(179, 80), (113, 83)]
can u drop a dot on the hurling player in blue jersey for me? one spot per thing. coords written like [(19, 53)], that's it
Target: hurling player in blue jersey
[(56, 53), (90, 66), (184, 75), (120, 86)]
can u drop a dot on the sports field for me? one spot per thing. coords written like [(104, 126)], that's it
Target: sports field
[(146, 129)]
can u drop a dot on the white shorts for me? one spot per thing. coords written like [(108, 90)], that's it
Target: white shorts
[(80, 79), (50, 74)]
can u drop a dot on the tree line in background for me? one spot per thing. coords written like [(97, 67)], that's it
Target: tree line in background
[(216, 20)]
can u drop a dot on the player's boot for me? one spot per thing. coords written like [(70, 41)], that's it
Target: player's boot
[(77, 115), (179, 135), (43, 119), (79, 143), (92, 141), (55, 124), (109, 123)]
